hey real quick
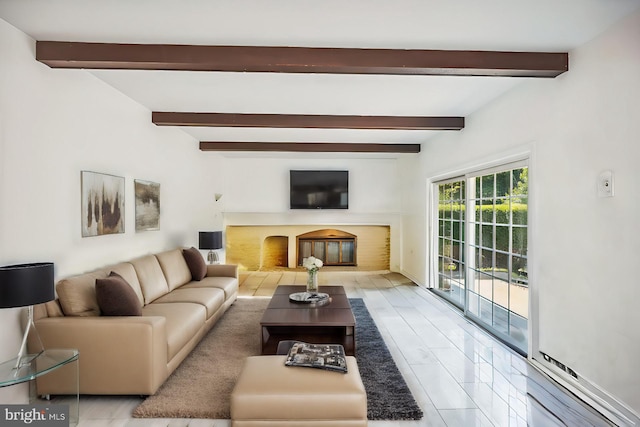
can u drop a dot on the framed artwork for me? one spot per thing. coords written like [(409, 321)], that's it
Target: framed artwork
[(102, 204), (147, 205)]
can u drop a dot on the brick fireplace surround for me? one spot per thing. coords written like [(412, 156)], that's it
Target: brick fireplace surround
[(269, 247)]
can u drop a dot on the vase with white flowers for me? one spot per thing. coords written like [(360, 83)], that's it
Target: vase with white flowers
[(312, 264)]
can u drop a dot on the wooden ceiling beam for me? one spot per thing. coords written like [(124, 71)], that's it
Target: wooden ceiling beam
[(310, 147), (306, 121), (61, 54)]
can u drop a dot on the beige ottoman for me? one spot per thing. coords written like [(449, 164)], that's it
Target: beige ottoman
[(268, 393)]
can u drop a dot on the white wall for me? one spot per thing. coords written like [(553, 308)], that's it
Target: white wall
[(256, 192), (584, 249), (55, 123)]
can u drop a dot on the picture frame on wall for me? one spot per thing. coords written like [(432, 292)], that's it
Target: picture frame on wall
[(102, 203), (147, 205)]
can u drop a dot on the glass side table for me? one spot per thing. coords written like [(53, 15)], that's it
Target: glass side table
[(38, 365)]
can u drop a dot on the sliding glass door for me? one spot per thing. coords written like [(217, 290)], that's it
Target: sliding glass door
[(450, 241), (482, 254)]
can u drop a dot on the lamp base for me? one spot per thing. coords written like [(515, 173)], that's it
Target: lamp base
[(23, 358), (212, 257)]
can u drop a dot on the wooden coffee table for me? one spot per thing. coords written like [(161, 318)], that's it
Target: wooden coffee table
[(332, 323)]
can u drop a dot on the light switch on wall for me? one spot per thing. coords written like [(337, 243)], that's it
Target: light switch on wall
[(605, 184)]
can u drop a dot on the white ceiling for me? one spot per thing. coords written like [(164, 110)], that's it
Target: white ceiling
[(540, 25)]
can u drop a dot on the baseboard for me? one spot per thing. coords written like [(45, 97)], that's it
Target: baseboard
[(610, 407), (412, 278)]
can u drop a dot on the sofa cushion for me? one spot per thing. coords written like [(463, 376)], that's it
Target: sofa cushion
[(228, 284), (175, 268), (183, 321), (196, 263), (77, 294), (116, 297), (54, 309), (211, 298), (128, 273), (151, 278)]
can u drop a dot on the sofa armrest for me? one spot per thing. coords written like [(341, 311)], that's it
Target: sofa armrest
[(118, 355), (224, 270)]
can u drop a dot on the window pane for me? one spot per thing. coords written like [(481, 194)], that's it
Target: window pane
[(503, 181), (318, 250), (447, 229), (487, 186), (519, 210), (519, 241), (502, 238), (502, 265), (484, 259), (520, 182), (487, 236), (487, 211), (305, 248), (457, 230), (519, 268), (473, 303), (347, 252), (455, 251), (333, 252), (456, 209), (502, 212)]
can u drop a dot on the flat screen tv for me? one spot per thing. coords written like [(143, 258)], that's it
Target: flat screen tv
[(315, 189)]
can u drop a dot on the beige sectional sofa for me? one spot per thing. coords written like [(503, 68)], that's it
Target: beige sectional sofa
[(133, 354)]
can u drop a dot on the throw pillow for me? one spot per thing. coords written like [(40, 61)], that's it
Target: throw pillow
[(116, 297), (195, 262)]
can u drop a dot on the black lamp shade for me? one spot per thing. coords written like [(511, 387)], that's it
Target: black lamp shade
[(26, 284), (210, 240)]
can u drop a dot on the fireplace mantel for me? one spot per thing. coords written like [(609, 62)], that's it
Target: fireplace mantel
[(326, 217)]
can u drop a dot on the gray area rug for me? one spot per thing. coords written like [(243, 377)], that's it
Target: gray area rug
[(201, 386), (388, 396)]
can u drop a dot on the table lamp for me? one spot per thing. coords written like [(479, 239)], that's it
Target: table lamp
[(26, 285), (211, 240)]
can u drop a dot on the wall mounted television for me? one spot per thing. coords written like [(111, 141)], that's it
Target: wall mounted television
[(319, 189)]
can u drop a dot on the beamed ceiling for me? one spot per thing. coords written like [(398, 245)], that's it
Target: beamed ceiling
[(303, 77)]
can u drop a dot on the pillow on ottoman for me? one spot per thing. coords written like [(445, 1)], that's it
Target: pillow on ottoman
[(116, 297), (195, 262)]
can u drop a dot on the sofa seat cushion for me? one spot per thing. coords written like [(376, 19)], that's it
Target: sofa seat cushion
[(183, 321), (211, 298), (228, 284)]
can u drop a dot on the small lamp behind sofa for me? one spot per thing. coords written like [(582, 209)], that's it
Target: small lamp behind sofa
[(211, 240)]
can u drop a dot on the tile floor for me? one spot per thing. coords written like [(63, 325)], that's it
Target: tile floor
[(459, 375)]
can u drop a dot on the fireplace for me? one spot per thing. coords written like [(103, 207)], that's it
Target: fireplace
[(333, 247), (269, 247)]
